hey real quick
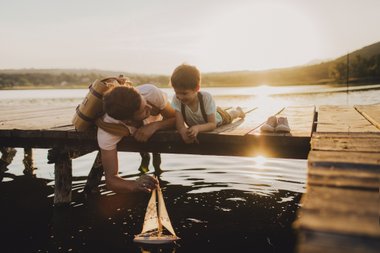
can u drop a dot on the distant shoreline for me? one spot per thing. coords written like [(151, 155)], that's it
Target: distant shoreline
[(84, 86)]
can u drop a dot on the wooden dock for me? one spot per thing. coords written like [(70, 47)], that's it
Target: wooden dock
[(51, 128), (340, 209)]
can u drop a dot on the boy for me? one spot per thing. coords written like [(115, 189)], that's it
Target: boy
[(195, 108), (141, 111)]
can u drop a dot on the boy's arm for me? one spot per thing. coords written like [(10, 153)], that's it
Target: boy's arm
[(145, 132), (193, 131), (117, 184), (181, 128)]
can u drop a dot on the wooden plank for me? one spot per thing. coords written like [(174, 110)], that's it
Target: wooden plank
[(300, 119), (316, 242), (359, 159), (368, 142), (46, 121), (343, 211), (252, 121), (35, 111), (342, 169), (371, 113), (342, 119)]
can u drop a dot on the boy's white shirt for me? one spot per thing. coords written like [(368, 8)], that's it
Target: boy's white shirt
[(151, 93), (196, 118)]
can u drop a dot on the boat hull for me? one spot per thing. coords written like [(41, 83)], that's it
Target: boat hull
[(156, 239)]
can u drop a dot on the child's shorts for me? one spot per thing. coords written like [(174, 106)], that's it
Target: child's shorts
[(226, 117)]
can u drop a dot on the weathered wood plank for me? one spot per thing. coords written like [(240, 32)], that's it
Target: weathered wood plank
[(45, 121), (33, 112), (371, 113), (300, 119), (369, 142), (360, 170), (344, 211), (353, 159), (317, 242), (342, 119)]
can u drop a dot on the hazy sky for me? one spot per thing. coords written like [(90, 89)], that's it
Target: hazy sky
[(154, 36)]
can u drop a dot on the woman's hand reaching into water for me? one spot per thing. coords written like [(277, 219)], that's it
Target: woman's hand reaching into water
[(146, 183)]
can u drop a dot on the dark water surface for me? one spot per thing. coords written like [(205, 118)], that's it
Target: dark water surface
[(242, 204)]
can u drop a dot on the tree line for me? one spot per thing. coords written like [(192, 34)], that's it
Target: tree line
[(358, 68), (62, 80)]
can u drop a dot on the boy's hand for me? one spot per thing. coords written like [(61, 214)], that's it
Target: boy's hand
[(185, 137), (192, 132)]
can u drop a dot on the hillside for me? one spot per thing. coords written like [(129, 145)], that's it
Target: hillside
[(308, 74), (364, 67)]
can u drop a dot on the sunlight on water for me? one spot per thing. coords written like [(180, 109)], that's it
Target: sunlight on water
[(260, 160)]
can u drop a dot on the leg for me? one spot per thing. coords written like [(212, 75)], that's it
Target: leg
[(145, 159), (157, 163), (236, 113), (95, 176), (28, 162), (6, 158)]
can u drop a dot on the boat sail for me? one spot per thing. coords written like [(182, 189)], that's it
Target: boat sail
[(154, 222)]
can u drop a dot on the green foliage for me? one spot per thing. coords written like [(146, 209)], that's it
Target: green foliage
[(67, 78), (359, 68)]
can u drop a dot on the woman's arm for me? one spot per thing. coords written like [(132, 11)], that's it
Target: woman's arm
[(117, 184), (145, 132)]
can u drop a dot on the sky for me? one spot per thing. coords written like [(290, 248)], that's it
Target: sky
[(154, 36)]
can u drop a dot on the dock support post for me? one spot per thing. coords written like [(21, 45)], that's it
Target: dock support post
[(95, 176), (28, 162), (63, 179)]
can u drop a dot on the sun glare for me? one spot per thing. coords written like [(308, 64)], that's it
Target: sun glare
[(260, 160)]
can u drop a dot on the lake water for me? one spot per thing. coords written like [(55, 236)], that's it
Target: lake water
[(216, 203)]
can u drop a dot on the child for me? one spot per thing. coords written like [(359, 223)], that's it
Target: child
[(195, 108)]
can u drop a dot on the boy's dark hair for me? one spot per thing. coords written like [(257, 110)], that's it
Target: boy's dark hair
[(121, 102), (186, 77)]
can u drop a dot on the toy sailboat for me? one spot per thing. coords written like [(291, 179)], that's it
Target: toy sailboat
[(154, 222)]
